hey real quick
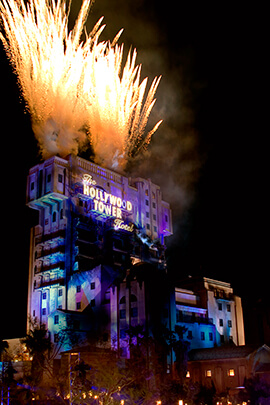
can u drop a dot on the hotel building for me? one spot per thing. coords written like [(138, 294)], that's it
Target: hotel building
[(98, 238)]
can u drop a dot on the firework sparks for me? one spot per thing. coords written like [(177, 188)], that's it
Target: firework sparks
[(76, 90)]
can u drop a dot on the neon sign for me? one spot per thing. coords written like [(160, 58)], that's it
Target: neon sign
[(105, 203), (119, 224)]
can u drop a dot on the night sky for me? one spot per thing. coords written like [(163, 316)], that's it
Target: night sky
[(209, 155)]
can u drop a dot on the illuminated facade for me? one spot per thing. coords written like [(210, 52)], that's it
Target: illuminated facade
[(210, 311), (96, 231)]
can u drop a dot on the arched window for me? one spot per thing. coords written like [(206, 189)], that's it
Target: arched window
[(133, 298), (122, 300)]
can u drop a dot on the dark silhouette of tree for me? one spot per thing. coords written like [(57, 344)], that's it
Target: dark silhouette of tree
[(257, 391), (38, 343)]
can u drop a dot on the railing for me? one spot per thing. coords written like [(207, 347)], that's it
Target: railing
[(50, 236), (48, 252), (41, 283), (52, 266), (193, 319)]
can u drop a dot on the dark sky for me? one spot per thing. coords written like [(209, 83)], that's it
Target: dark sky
[(209, 155)]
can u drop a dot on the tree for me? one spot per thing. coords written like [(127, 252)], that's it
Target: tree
[(38, 343), (257, 391)]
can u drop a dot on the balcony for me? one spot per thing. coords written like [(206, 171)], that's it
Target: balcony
[(180, 318), (50, 253), (51, 237), (52, 266), (42, 284)]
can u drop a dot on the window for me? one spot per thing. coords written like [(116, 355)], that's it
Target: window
[(61, 214), (34, 313), (146, 192), (78, 305), (134, 312), (49, 178), (54, 217), (146, 202), (93, 285), (122, 314), (208, 373), (32, 186), (43, 311), (154, 217), (122, 333), (122, 300), (220, 306), (155, 229), (56, 319), (133, 298), (93, 302), (228, 308), (60, 178), (187, 376), (147, 226), (222, 340), (179, 316), (60, 292), (147, 215), (202, 336), (154, 205), (211, 336), (229, 323), (166, 218), (221, 322), (78, 288), (44, 296), (231, 372), (189, 334)]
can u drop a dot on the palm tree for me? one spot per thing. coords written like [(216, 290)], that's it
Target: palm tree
[(38, 343)]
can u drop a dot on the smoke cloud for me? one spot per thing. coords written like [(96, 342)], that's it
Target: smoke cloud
[(173, 159)]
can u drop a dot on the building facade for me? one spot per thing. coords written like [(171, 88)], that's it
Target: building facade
[(97, 233), (229, 367), (210, 311)]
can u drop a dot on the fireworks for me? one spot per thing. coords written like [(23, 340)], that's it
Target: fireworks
[(76, 89)]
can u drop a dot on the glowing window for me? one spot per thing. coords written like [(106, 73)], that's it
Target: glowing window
[(208, 373), (231, 372), (188, 374)]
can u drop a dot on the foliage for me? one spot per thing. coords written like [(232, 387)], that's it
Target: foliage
[(257, 391), (38, 343)]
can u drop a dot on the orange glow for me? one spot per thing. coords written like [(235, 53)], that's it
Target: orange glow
[(76, 90)]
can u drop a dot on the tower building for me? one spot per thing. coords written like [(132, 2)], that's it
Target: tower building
[(99, 237)]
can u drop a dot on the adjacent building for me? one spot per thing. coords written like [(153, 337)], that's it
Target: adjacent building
[(210, 311), (229, 366)]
